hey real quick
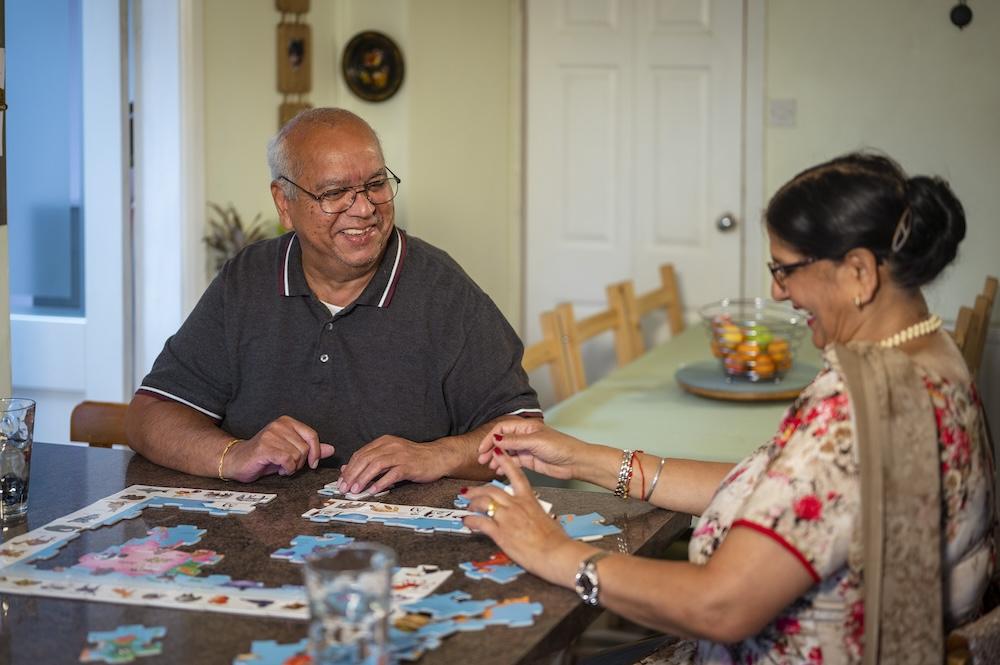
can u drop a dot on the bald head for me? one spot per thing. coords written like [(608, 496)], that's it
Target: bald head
[(282, 150)]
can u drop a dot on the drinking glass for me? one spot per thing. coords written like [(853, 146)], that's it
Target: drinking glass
[(17, 424), (349, 590)]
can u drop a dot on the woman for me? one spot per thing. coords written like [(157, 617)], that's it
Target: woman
[(776, 560)]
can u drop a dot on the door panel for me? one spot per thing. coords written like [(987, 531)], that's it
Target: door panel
[(633, 149)]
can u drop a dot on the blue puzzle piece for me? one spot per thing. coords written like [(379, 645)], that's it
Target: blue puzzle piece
[(123, 644), (197, 505), (499, 574), (449, 605), (353, 518), (586, 527), (269, 652), (304, 545), (428, 524), (516, 615), (461, 501)]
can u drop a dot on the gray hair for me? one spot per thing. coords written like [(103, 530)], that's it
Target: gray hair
[(280, 159)]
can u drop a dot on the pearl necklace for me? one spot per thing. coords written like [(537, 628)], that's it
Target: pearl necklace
[(918, 329)]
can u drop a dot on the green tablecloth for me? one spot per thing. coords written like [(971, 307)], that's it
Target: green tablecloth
[(641, 406)]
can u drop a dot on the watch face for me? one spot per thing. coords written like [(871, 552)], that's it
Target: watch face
[(586, 584)]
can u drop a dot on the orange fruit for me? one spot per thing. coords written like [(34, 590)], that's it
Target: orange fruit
[(763, 366)]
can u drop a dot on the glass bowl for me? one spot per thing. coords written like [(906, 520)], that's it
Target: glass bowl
[(754, 339)]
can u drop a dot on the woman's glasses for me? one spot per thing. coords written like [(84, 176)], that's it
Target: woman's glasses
[(781, 271)]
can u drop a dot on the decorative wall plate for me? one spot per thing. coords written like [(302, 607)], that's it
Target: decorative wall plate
[(372, 66)]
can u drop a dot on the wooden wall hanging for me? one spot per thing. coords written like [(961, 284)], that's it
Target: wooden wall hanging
[(294, 52)]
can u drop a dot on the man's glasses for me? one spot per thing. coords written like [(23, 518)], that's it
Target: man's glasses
[(378, 191), (781, 271)]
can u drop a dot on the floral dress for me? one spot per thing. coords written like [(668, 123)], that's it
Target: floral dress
[(802, 489)]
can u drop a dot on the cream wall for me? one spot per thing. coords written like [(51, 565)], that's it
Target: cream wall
[(450, 133), (898, 76)]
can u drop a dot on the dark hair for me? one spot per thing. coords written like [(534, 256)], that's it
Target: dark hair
[(865, 200)]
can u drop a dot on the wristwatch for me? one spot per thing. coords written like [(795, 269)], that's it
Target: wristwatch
[(586, 583)]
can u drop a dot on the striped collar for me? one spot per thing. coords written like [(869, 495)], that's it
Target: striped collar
[(377, 293)]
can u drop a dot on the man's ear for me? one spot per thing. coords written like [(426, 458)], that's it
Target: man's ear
[(862, 277), (281, 204)]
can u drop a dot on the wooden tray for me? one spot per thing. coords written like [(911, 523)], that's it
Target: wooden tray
[(707, 379)]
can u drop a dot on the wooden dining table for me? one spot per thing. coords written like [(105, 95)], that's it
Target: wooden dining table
[(641, 405), (36, 630)]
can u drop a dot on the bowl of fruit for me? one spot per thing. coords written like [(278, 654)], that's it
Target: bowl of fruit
[(754, 339)]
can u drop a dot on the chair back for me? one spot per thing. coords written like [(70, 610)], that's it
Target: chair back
[(976, 642), (973, 324), (666, 297), (575, 332), (100, 424), (549, 351)]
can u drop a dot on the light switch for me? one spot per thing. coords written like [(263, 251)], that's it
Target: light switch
[(782, 112)]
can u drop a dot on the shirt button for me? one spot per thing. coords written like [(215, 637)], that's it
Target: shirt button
[(323, 358), (329, 326)]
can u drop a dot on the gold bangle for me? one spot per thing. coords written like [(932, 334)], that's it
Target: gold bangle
[(222, 459)]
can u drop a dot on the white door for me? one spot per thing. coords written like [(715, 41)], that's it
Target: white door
[(634, 150), (68, 206)]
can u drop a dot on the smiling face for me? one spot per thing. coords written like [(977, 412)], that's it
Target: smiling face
[(345, 246), (822, 289)]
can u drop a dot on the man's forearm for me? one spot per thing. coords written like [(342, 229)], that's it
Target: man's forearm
[(463, 452), (175, 436)]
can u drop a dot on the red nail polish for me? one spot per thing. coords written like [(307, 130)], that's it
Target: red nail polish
[(498, 437), (463, 490), (497, 450)]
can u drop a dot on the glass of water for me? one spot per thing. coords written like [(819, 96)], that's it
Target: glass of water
[(17, 424), (349, 591)]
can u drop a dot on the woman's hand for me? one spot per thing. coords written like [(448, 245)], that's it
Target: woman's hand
[(533, 445), (519, 526)]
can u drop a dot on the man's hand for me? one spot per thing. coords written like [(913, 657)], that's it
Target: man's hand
[(284, 446), (394, 459)]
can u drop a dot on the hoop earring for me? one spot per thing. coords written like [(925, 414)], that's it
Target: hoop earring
[(857, 302)]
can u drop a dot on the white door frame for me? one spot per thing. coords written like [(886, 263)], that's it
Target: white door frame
[(753, 282), (169, 172)]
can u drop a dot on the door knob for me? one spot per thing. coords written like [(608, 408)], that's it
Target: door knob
[(726, 223)]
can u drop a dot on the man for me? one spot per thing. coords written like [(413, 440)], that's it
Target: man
[(346, 339)]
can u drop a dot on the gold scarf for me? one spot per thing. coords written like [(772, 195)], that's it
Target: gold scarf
[(900, 529)]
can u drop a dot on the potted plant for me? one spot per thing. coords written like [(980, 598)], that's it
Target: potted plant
[(227, 234)]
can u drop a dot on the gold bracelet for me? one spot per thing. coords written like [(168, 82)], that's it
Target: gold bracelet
[(222, 459)]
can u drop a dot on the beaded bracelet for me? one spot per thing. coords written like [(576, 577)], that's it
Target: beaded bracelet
[(222, 458), (624, 474)]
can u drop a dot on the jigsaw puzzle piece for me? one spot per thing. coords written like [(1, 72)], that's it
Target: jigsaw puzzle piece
[(331, 489), (515, 612), (587, 527), (304, 545), (449, 605), (123, 644), (498, 568), (428, 524), (462, 502), (270, 652)]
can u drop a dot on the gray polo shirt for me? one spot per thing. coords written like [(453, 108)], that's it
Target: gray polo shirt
[(422, 353)]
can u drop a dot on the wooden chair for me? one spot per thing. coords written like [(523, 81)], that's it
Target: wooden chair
[(973, 324), (666, 297), (100, 424), (975, 643), (549, 351), (575, 332)]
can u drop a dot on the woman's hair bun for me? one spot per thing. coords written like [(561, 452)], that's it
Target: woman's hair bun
[(937, 226), (864, 199)]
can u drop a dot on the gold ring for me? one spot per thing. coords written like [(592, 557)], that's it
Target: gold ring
[(491, 510)]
